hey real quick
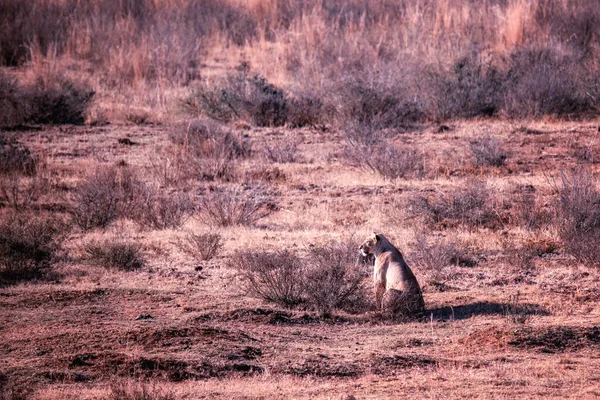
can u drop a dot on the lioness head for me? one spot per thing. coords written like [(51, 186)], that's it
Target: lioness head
[(370, 245)]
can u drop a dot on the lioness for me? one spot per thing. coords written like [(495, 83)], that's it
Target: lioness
[(396, 288)]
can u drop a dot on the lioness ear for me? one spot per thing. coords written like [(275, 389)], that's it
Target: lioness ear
[(377, 237)]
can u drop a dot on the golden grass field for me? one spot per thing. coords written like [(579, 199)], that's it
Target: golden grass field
[(495, 331), (122, 122)]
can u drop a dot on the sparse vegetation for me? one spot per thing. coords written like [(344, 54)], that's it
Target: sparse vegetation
[(368, 149), (283, 151), (335, 278), (472, 205), (434, 256), (579, 215), (201, 247), (274, 276), (228, 136), (235, 206), (28, 246), (208, 150), (488, 152), (131, 390), (117, 254)]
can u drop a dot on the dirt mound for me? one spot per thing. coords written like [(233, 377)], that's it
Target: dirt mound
[(268, 316), (182, 336), (389, 366), (556, 339), (490, 338), (320, 366), (552, 339), (116, 364)]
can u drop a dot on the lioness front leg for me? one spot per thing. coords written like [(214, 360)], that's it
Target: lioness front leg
[(379, 292)]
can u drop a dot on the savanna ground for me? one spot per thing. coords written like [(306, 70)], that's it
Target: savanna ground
[(163, 191)]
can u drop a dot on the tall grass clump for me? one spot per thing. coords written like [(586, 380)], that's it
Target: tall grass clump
[(235, 206), (29, 246), (578, 215)]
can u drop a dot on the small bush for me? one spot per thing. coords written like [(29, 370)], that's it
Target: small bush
[(128, 390), (578, 216), (100, 199), (209, 150), (433, 257), (117, 254), (329, 277), (163, 211), (305, 111), (526, 209), (284, 151), (377, 102), (240, 96), (20, 192), (202, 247), (52, 99), (488, 152), (368, 149), (471, 205), (28, 246), (235, 206), (276, 276), (16, 158), (334, 278), (21, 182)]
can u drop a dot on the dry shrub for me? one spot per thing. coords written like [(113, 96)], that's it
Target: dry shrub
[(240, 96), (20, 192), (377, 100), (110, 193), (472, 205), (470, 88), (28, 246), (160, 211), (115, 254), (305, 111), (546, 81), (22, 180), (329, 277), (334, 278), (283, 151), (208, 150), (131, 390), (276, 276), (16, 157), (53, 99), (488, 152), (201, 247), (235, 206), (578, 215), (103, 197), (434, 257), (368, 149), (527, 210)]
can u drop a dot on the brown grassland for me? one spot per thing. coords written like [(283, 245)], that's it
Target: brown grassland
[(184, 186)]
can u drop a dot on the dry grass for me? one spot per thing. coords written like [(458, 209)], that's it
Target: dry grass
[(235, 206), (314, 62), (28, 246), (330, 91), (115, 254), (201, 247)]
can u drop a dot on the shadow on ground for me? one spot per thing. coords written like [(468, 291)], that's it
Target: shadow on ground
[(485, 308)]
